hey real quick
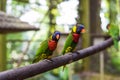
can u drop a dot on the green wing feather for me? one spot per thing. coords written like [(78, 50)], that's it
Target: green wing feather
[(68, 43), (114, 33), (68, 46), (41, 50)]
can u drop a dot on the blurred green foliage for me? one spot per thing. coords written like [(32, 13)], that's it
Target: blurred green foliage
[(16, 48)]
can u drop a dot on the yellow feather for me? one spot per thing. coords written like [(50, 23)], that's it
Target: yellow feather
[(68, 49), (50, 37), (74, 28), (43, 56)]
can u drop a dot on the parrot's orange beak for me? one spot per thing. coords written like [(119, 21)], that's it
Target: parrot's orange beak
[(58, 36), (83, 31)]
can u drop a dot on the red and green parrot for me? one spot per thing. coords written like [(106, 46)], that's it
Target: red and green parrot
[(47, 47), (113, 31), (73, 39)]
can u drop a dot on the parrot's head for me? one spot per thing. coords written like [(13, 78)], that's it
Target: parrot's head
[(78, 29), (56, 36), (108, 26)]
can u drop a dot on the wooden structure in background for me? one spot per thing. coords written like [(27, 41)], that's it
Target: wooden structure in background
[(10, 24)]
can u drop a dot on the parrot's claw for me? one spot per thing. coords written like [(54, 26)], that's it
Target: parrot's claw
[(49, 59)]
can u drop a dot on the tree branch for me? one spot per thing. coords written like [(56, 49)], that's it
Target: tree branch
[(45, 65)]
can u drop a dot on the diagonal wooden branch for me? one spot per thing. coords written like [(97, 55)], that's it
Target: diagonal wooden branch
[(43, 66)]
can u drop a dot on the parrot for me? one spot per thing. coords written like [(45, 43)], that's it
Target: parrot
[(113, 31), (73, 39), (47, 47)]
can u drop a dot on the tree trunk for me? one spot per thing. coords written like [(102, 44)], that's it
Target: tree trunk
[(113, 11), (52, 20), (94, 17), (3, 57), (95, 29), (84, 19), (3, 52)]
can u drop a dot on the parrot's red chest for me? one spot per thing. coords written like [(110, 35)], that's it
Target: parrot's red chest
[(52, 45), (76, 37)]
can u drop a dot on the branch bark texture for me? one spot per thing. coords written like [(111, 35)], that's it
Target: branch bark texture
[(45, 65)]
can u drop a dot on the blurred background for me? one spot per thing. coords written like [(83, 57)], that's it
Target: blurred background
[(24, 24)]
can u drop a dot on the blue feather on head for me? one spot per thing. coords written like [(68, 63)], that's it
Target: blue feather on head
[(56, 35)]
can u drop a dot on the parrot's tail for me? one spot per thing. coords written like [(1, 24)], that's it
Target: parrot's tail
[(116, 44)]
